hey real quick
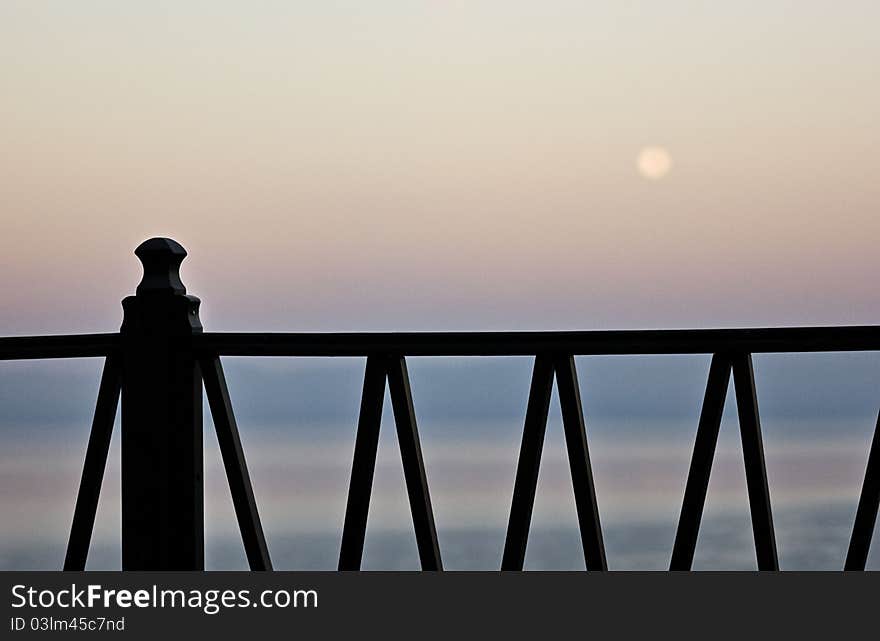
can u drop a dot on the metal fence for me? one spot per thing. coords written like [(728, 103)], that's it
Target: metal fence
[(161, 358)]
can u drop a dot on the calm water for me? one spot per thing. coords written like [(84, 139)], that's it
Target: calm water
[(301, 486)]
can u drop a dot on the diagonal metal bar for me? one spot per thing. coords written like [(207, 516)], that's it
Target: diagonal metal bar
[(93, 466), (363, 466), (240, 488), (413, 464), (579, 462), (529, 464), (753, 456), (701, 464), (866, 514)]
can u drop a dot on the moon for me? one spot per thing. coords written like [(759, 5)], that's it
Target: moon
[(654, 163)]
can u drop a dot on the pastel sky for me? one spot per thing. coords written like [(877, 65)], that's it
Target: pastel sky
[(442, 165)]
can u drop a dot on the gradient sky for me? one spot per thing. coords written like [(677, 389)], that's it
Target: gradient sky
[(442, 165)]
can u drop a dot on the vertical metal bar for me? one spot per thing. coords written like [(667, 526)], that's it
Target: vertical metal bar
[(363, 466), (413, 464), (866, 514), (529, 464), (163, 511), (240, 487), (701, 464), (579, 463), (93, 467), (753, 456)]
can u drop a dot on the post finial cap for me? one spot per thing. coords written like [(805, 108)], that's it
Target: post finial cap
[(161, 258)]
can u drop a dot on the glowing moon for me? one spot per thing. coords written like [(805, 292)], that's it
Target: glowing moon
[(654, 162)]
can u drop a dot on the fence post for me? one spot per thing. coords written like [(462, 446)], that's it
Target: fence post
[(162, 484)]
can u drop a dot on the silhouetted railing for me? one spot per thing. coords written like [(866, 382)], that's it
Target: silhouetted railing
[(161, 358)]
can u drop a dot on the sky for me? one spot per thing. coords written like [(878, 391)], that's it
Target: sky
[(442, 165), (479, 165)]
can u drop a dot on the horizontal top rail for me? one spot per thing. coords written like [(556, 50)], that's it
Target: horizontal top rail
[(668, 341), (68, 346), (586, 343)]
